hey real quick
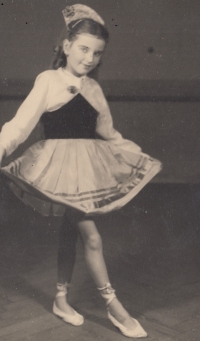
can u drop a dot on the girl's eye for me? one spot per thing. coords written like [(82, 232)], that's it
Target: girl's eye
[(84, 49), (98, 54)]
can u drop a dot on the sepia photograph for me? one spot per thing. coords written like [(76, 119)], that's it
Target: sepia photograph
[(99, 170)]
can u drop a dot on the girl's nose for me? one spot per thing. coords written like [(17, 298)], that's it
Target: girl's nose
[(89, 57)]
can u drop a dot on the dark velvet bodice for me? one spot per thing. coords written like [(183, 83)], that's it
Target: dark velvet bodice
[(74, 120)]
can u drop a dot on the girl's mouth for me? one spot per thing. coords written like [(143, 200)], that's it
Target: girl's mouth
[(87, 66)]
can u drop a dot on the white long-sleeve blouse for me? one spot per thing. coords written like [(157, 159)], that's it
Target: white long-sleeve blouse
[(50, 92)]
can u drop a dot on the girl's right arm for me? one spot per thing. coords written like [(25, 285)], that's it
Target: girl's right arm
[(19, 128), (2, 153)]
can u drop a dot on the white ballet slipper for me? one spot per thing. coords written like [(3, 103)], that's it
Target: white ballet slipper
[(76, 319), (137, 332)]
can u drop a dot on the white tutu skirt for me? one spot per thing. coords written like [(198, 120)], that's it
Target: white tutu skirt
[(92, 176)]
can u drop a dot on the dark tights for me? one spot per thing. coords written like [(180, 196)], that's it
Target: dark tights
[(66, 250)]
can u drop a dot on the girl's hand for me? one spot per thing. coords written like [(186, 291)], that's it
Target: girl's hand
[(2, 154)]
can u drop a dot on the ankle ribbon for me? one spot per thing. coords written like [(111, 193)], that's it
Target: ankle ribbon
[(108, 294)]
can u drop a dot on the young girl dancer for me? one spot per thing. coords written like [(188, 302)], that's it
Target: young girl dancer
[(72, 172)]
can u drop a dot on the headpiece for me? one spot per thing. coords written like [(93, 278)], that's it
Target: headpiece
[(79, 12)]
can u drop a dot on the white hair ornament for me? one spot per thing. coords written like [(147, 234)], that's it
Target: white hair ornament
[(79, 12)]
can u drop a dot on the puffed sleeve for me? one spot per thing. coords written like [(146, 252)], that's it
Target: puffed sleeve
[(105, 126), (19, 128)]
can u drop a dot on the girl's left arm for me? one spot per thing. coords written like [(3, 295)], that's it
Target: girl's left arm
[(105, 127)]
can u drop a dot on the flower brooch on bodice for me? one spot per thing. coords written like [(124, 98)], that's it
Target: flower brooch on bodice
[(72, 89)]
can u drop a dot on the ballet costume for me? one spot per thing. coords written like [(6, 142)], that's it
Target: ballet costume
[(83, 162)]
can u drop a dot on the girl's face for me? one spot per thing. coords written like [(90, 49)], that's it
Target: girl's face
[(83, 54)]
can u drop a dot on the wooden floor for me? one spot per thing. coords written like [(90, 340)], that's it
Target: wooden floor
[(152, 249)]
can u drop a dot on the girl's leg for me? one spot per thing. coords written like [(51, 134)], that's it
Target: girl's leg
[(65, 262), (66, 250), (94, 258)]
